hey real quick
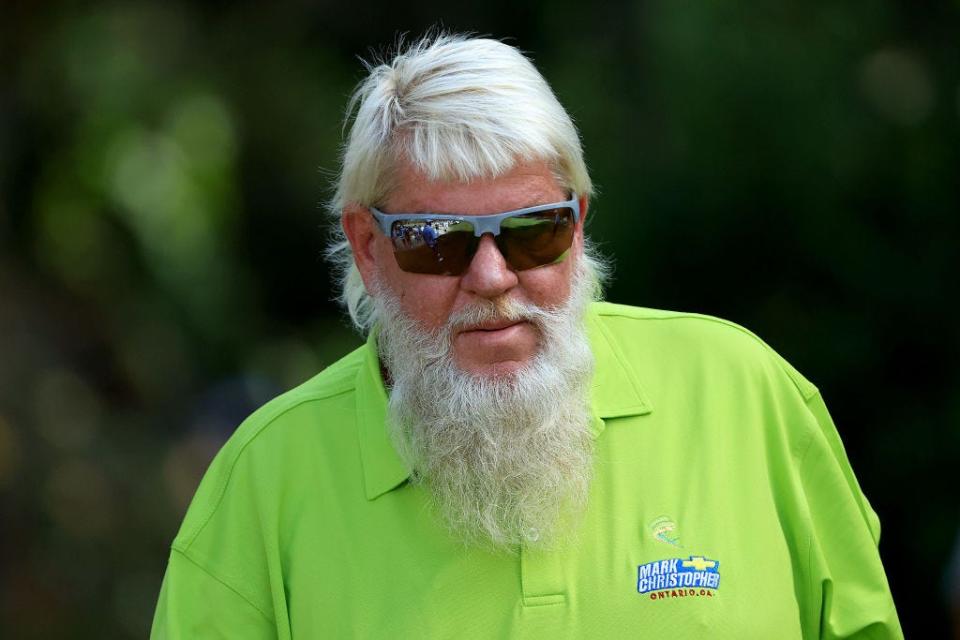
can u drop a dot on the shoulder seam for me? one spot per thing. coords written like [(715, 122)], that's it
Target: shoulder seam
[(266, 422), (692, 316), (195, 563), (683, 315), (679, 315)]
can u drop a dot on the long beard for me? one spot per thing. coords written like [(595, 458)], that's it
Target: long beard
[(506, 459)]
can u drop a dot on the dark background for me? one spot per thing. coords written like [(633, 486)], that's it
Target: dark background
[(792, 166)]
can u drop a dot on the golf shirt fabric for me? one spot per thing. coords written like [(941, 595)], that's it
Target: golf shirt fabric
[(722, 506)]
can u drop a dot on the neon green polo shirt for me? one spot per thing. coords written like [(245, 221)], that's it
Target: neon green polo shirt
[(722, 506)]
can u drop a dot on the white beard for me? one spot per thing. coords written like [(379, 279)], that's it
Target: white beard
[(506, 459)]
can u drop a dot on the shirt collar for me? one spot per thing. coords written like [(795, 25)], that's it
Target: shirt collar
[(382, 467), (615, 391)]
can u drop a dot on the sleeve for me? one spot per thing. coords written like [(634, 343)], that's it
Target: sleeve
[(195, 604), (848, 592)]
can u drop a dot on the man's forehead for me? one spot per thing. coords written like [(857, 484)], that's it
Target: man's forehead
[(526, 184)]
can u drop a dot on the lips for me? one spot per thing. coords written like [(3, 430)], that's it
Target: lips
[(493, 325), (496, 346)]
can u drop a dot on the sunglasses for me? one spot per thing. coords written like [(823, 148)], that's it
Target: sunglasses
[(444, 244)]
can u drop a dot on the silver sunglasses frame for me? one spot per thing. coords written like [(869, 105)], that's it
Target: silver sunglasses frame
[(481, 223)]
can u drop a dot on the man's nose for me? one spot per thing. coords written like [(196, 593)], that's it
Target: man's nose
[(488, 275)]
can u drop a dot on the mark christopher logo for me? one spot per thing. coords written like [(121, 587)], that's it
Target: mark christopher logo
[(679, 577)]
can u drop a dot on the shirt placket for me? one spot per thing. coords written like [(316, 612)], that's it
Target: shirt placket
[(542, 579)]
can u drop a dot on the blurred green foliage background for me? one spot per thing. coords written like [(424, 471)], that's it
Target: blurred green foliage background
[(791, 166)]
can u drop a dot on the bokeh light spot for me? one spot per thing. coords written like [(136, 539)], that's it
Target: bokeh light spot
[(203, 127), (79, 499), (72, 238), (154, 355), (68, 412), (898, 84)]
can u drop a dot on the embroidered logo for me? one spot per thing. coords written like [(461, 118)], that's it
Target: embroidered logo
[(665, 530), (679, 577)]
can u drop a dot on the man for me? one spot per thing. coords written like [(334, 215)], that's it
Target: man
[(506, 457)]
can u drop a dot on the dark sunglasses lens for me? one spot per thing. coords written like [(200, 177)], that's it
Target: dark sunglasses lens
[(536, 239), (436, 247)]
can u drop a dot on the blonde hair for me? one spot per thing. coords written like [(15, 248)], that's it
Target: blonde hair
[(455, 108)]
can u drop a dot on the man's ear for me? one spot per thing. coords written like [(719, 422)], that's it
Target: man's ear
[(584, 205), (361, 232)]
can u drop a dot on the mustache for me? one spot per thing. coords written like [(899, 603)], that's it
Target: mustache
[(494, 310)]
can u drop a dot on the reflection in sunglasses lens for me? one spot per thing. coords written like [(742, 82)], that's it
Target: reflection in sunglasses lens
[(536, 239), (438, 247)]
